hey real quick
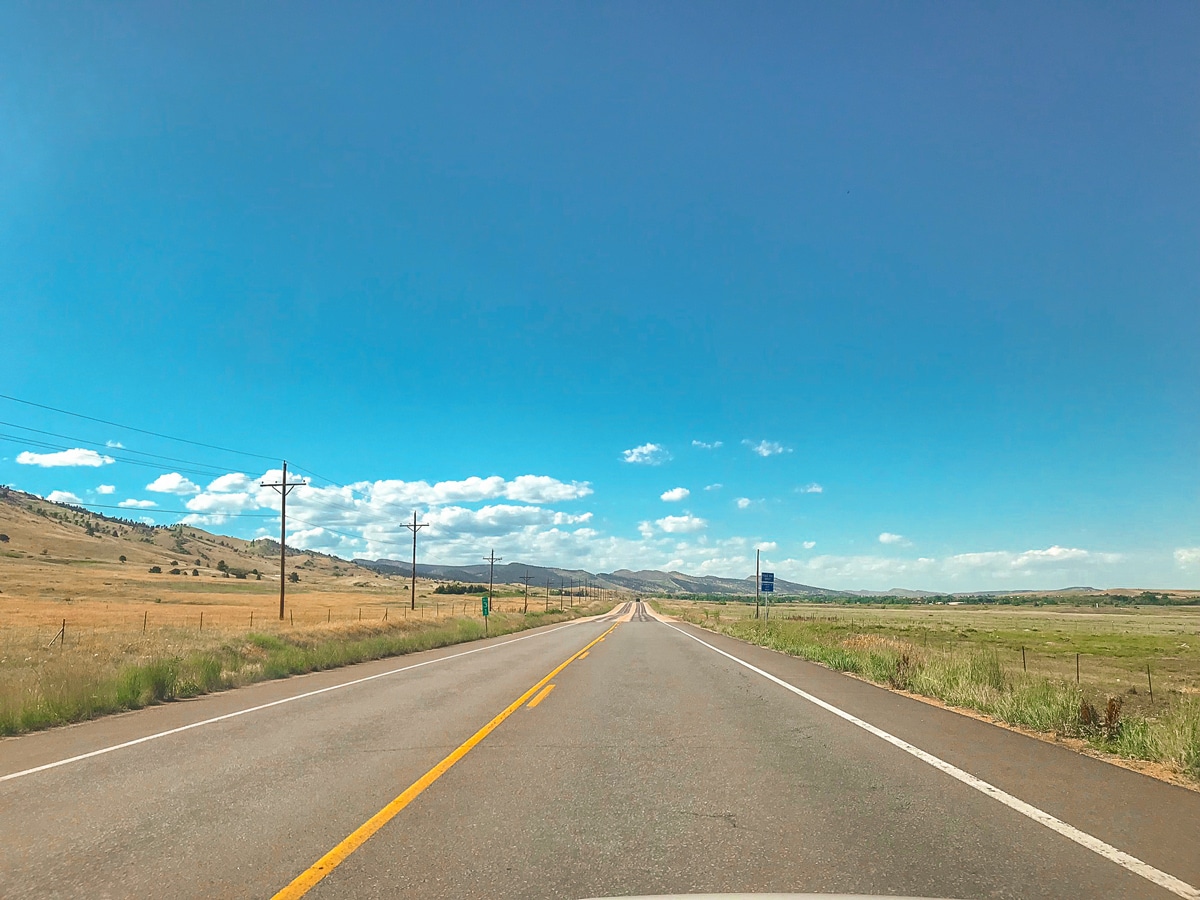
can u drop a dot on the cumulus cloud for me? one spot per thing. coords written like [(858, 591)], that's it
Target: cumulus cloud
[(743, 502), (76, 456), (705, 445), (114, 445), (234, 481), (714, 487), (808, 545), (888, 538), (685, 524), (173, 483), (767, 448), (63, 497), (544, 489), (1188, 556), (1003, 560), (106, 489), (813, 488), (137, 504), (647, 455), (674, 495), (523, 489)]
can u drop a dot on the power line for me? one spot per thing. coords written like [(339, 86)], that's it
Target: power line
[(66, 437), (44, 445), (157, 434)]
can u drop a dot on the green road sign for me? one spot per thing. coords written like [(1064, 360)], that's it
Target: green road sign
[(486, 606)]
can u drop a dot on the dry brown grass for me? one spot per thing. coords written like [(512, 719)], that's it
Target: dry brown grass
[(120, 614)]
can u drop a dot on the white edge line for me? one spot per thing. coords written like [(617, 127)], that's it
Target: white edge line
[(241, 712), (1109, 852)]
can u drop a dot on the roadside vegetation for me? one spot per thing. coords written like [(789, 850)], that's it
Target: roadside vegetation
[(967, 670), (79, 685)]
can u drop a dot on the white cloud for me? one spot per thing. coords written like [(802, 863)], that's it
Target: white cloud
[(147, 520), (1188, 556), (766, 546), (685, 524), (767, 448), (646, 530), (808, 545), (173, 483), (63, 497), (114, 445), (743, 502), (714, 487), (705, 445), (674, 495), (231, 483), (813, 488), (106, 489), (888, 538), (647, 455), (137, 504), (74, 457), (544, 489)]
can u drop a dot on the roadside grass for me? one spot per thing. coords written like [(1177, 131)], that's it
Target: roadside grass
[(75, 687), (974, 677)]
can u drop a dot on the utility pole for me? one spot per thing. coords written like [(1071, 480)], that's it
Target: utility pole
[(492, 560), (757, 582), (284, 488), (526, 580), (561, 584), (547, 593), (414, 528)]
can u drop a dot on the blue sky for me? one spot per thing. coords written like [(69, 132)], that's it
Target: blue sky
[(941, 259)]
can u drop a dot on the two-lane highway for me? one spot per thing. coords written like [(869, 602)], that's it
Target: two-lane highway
[(622, 755)]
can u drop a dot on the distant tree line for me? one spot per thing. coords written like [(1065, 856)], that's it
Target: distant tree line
[(457, 588)]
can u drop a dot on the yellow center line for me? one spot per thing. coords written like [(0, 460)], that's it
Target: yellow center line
[(540, 697), (310, 877)]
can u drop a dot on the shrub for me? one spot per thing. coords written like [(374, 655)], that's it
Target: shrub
[(122, 558), (156, 570)]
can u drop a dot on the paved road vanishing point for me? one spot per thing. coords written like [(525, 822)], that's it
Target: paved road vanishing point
[(615, 756)]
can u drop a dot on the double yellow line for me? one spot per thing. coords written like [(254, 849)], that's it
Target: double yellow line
[(310, 877)]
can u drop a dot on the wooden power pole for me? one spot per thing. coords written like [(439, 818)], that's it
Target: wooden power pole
[(414, 527), (492, 560), (284, 488), (526, 580)]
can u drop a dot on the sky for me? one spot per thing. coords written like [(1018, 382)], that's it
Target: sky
[(901, 295)]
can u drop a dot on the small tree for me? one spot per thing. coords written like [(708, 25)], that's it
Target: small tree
[(196, 573), (221, 566), (122, 559), (3, 538), (156, 570), (293, 577)]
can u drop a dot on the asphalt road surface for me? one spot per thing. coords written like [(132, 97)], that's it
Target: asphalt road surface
[(663, 759)]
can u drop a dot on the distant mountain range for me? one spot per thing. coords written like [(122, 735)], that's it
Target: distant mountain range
[(650, 581)]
